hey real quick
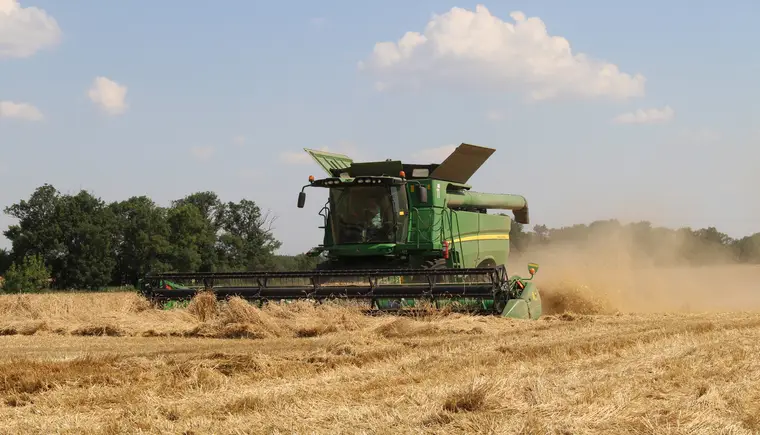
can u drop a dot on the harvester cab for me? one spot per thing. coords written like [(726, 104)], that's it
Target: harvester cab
[(399, 234)]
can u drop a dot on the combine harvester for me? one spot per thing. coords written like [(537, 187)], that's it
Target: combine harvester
[(395, 235)]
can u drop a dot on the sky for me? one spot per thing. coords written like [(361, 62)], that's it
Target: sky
[(597, 110)]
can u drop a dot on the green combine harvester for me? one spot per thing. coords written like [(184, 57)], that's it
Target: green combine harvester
[(399, 236)]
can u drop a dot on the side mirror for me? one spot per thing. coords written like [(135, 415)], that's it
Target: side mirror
[(301, 199), (423, 194)]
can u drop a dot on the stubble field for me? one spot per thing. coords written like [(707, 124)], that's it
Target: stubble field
[(600, 361)]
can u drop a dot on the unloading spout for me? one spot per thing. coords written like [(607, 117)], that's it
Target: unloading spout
[(499, 201)]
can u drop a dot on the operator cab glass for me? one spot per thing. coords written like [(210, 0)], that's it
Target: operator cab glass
[(368, 214)]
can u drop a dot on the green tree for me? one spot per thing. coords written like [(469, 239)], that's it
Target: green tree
[(88, 227), (141, 244), (208, 204), (38, 230), (205, 223), (246, 241), (542, 233), (5, 261), (72, 235), (747, 249), (190, 238), (29, 276)]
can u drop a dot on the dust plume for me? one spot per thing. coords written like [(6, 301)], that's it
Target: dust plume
[(610, 271)]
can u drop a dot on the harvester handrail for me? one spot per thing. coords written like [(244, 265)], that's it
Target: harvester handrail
[(430, 226), (459, 234)]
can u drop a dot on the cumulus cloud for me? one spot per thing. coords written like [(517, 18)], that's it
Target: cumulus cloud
[(25, 31), (646, 116), (27, 112), (433, 155), (109, 95), (462, 47), (202, 153)]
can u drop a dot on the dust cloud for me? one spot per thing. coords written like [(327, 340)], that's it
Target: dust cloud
[(610, 273)]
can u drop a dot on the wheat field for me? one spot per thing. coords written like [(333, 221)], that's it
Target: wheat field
[(599, 361)]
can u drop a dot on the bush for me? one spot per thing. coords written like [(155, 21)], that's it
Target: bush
[(30, 276)]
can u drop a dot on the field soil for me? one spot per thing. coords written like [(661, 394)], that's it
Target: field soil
[(661, 352)]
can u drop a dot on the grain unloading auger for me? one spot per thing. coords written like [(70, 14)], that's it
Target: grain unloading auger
[(395, 235)]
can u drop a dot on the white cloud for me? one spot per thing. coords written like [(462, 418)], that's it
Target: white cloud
[(25, 31), (239, 140), (109, 95), (202, 153), (463, 47), (648, 116), (433, 155), (9, 109)]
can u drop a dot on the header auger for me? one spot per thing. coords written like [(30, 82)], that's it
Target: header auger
[(395, 235)]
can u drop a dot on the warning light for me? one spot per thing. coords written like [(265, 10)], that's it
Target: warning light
[(402, 174), (311, 178)]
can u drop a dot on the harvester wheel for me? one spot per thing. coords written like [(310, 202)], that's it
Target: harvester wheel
[(438, 263)]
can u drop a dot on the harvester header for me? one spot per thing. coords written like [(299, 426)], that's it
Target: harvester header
[(405, 232)]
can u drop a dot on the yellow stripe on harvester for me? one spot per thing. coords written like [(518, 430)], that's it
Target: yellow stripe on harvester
[(481, 237)]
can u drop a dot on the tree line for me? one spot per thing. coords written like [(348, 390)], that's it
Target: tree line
[(643, 242), (79, 241)]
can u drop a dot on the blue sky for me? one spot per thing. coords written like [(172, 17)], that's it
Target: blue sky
[(219, 97)]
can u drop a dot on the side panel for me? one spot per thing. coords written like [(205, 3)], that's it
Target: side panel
[(494, 238), (527, 306), (462, 231)]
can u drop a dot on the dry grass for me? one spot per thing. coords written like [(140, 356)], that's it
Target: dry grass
[(107, 364)]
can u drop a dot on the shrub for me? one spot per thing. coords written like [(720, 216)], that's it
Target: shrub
[(30, 276)]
